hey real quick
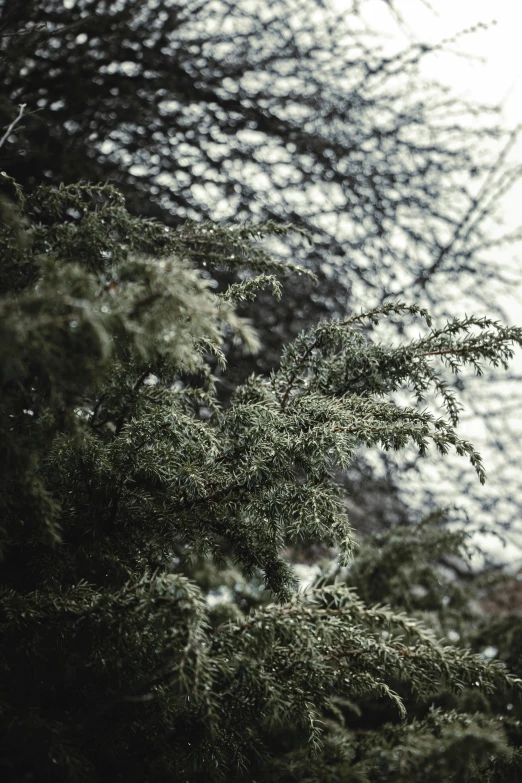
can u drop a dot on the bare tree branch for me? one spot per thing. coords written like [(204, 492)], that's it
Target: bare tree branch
[(13, 124)]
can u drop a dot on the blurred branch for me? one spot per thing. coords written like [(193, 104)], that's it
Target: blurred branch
[(13, 124)]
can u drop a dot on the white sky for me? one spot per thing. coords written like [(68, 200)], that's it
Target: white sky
[(494, 70)]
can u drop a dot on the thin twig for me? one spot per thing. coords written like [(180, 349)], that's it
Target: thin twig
[(13, 124), (25, 31)]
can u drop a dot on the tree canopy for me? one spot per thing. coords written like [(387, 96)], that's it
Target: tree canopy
[(273, 110)]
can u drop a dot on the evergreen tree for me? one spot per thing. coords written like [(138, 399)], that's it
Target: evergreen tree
[(151, 629), (280, 111)]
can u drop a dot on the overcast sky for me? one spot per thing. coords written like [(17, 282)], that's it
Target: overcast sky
[(493, 71)]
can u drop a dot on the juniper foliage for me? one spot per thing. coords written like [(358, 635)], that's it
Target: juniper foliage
[(271, 111), (129, 493)]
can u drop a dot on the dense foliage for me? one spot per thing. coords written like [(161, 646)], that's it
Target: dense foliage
[(151, 630), (273, 111)]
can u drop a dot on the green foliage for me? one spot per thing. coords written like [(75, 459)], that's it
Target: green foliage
[(128, 493), (280, 112)]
